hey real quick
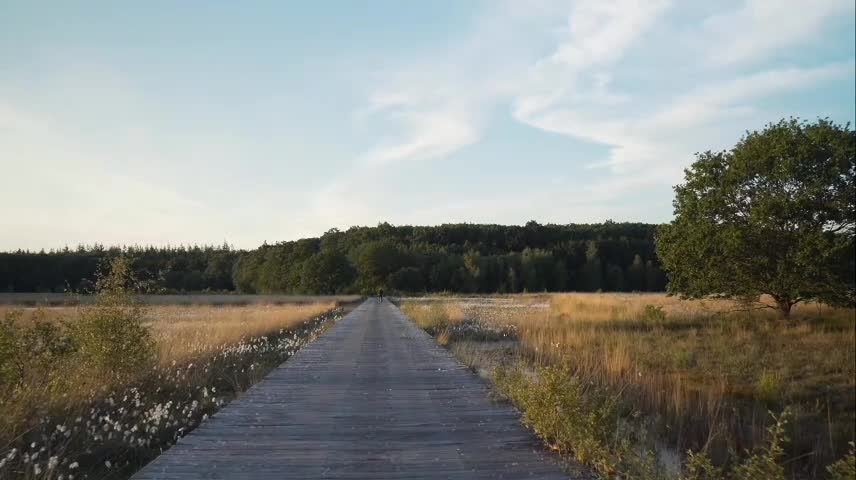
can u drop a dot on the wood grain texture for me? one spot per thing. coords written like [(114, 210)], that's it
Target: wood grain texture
[(373, 398)]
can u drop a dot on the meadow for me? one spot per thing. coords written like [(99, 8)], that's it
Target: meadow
[(64, 416), (640, 379)]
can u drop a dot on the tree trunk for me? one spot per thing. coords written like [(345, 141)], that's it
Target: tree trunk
[(784, 305)]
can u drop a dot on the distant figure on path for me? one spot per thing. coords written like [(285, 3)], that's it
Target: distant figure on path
[(380, 294)]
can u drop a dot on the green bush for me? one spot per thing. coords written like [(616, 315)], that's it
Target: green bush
[(769, 387), (109, 334), (844, 469), (30, 352), (575, 417), (699, 467), (654, 314)]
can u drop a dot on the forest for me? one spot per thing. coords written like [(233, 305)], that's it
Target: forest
[(459, 258)]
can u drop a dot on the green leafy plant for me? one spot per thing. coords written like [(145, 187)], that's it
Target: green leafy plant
[(110, 334), (844, 469), (769, 387), (574, 417), (654, 314), (30, 352)]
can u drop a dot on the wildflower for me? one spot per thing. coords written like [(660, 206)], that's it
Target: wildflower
[(73, 465), (107, 463)]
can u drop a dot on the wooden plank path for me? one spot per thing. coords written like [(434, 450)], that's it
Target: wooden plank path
[(375, 397)]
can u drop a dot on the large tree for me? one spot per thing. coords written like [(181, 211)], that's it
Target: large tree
[(376, 260), (326, 272), (772, 216)]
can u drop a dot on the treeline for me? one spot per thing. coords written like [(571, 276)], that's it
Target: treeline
[(464, 258), (166, 269)]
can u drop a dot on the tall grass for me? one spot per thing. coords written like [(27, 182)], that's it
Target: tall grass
[(186, 332), (183, 332), (705, 373)]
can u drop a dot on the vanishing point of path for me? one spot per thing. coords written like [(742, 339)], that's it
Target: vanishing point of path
[(374, 397)]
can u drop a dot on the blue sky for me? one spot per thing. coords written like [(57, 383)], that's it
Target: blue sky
[(199, 122)]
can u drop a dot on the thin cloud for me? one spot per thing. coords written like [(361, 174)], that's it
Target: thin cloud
[(761, 27), (432, 133)]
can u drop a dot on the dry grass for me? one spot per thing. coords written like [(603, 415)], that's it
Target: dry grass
[(185, 332), (182, 331), (707, 374)]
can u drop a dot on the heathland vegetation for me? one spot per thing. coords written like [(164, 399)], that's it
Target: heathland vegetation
[(99, 389), (627, 383)]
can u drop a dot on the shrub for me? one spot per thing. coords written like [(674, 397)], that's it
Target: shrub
[(844, 469), (572, 416), (654, 314), (30, 352), (110, 334), (700, 467), (769, 387)]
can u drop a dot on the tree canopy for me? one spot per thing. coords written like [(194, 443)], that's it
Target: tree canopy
[(773, 216)]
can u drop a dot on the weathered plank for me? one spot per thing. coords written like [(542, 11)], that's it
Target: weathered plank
[(375, 397)]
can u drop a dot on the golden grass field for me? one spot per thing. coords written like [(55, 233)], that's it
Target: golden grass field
[(186, 331), (705, 370)]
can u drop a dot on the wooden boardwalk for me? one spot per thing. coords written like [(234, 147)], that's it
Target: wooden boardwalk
[(374, 397)]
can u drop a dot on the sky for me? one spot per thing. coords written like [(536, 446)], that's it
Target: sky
[(170, 123)]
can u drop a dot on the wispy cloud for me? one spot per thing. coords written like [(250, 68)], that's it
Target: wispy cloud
[(728, 98), (428, 133), (570, 89), (761, 27), (660, 137), (438, 102)]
